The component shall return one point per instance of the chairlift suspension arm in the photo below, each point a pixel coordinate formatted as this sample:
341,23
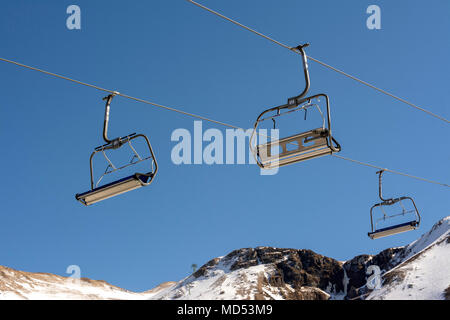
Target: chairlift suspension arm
380,188
115,143
106,121
294,100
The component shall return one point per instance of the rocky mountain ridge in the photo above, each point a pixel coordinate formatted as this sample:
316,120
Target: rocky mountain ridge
417,271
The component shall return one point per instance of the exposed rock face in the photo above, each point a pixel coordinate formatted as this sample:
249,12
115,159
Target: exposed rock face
447,292
303,270
203,269
356,269
307,268
303,274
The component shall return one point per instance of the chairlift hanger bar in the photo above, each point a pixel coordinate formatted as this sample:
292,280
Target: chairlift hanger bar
296,50
196,116
380,186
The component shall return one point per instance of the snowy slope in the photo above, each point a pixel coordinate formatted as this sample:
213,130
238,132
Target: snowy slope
219,281
16,285
424,272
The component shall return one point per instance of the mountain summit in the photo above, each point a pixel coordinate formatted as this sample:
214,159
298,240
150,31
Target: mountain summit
419,270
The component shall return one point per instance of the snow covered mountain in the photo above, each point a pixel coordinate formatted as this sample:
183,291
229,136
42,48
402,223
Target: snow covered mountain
420,270
26,285
15,285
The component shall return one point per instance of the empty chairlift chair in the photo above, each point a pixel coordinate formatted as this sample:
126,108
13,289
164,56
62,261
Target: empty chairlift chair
302,146
411,223
138,179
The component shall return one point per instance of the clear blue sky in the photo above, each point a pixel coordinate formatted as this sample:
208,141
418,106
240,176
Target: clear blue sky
176,54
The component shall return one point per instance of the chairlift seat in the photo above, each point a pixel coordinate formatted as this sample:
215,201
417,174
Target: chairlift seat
299,147
303,146
114,188
395,229
123,185
384,232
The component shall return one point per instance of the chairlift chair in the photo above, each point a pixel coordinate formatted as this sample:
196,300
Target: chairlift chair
413,224
98,193
299,147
